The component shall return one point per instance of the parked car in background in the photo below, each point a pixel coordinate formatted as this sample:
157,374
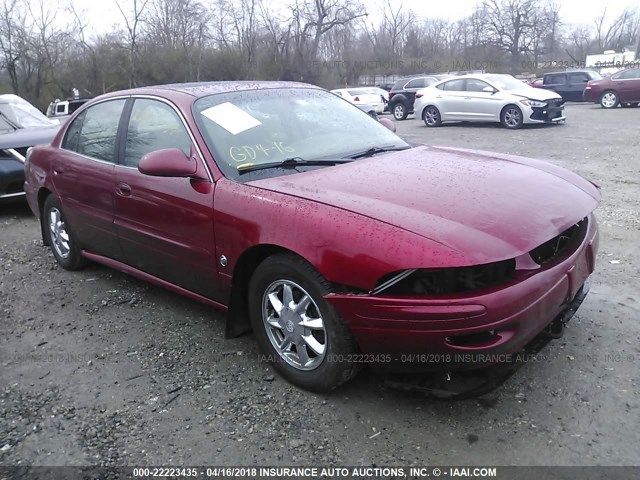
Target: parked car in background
317,227
488,98
622,88
569,85
373,96
386,86
403,93
21,126
64,108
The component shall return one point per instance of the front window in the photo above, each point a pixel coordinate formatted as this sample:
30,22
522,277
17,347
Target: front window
254,127
506,82
153,125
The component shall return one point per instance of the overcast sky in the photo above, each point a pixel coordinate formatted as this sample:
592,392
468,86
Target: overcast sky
103,14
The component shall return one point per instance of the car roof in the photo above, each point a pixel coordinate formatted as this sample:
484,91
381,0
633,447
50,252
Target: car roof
578,70
203,89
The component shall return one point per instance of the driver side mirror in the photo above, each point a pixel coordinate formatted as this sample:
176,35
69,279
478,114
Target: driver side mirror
168,162
489,89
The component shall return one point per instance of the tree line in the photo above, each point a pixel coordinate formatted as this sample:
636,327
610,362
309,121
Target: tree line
46,51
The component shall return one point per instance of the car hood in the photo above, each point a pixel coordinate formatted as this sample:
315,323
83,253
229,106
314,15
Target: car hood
485,205
28,137
539,94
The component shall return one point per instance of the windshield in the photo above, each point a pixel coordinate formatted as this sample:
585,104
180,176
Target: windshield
506,82
21,113
256,127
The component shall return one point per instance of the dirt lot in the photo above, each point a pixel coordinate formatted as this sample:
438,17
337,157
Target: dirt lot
99,368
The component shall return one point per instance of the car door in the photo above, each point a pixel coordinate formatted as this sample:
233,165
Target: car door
165,224
556,82
577,81
451,101
83,176
410,90
627,84
478,104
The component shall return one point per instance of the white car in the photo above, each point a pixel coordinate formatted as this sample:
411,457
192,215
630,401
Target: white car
373,96
487,97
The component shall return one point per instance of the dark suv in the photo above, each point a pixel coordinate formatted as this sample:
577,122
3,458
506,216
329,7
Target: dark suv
569,85
403,93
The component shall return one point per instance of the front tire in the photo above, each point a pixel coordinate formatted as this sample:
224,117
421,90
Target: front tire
431,116
303,336
609,99
400,111
511,117
63,243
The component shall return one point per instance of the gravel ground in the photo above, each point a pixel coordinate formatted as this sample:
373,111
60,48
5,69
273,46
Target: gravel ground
99,368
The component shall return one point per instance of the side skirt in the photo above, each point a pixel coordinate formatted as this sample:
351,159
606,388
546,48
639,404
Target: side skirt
134,272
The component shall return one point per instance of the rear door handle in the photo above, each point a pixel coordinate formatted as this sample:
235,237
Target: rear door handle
123,190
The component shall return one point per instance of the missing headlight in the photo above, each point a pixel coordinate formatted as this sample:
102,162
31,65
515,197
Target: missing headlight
447,280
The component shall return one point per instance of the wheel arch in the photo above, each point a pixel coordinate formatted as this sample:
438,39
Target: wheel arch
43,193
237,321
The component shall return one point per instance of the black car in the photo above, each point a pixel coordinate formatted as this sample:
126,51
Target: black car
21,126
569,85
403,93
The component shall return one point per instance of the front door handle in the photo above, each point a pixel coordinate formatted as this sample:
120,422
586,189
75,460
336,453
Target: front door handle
123,190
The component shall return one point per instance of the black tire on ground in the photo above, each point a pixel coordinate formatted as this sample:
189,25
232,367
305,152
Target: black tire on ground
267,290
431,116
60,237
511,117
400,111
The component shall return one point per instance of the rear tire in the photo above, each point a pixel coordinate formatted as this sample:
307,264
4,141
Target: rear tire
431,116
64,245
609,99
400,111
302,335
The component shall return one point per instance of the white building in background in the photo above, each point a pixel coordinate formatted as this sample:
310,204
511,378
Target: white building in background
610,62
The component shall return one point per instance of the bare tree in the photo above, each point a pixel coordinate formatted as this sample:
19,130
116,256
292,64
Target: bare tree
510,25
12,33
132,29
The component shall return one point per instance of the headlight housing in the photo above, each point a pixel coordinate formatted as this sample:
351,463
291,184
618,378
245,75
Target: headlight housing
446,281
533,103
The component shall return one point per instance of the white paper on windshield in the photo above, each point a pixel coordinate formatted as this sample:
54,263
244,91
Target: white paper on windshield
233,119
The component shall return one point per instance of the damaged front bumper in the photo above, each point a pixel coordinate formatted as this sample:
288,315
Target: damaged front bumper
467,332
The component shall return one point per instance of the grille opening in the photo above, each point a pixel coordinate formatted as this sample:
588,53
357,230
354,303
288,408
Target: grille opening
451,280
567,241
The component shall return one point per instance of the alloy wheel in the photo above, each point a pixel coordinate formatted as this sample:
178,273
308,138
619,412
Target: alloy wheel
59,235
294,325
512,117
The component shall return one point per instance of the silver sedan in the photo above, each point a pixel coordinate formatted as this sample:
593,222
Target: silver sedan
487,98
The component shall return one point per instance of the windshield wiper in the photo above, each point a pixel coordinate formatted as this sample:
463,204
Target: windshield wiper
292,162
375,150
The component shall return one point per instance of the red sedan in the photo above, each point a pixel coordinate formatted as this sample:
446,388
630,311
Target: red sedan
622,88
317,227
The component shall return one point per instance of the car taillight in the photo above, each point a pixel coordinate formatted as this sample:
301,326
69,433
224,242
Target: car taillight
589,83
418,95
357,99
